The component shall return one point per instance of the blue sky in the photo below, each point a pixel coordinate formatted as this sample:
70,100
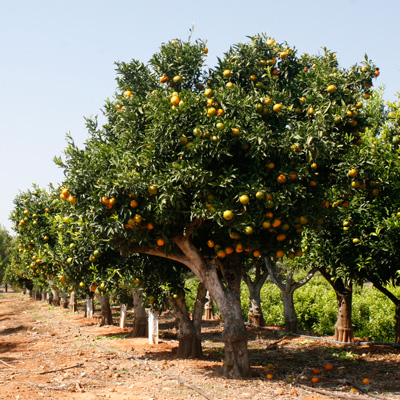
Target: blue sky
57,60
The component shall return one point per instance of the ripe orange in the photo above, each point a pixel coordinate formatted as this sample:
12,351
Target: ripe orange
134,203
331,89
280,253
228,215
152,189
160,242
211,111
256,253
366,381
352,173
329,367
127,93
281,237
164,79
281,178
276,223
175,99
210,243
316,371
227,73
221,254
229,250
208,92
277,107
314,379
244,199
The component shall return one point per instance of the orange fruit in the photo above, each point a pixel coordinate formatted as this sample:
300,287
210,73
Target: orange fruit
281,178
281,237
228,215
314,379
277,107
276,223
127,93
221,254
329,367
210,243
331,89
280,253
160,242
134,203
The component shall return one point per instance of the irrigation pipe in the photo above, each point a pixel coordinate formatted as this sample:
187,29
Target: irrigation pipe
323,338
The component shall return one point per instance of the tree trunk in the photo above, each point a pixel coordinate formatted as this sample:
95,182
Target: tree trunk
49,298
224,290
55,300
89,309
189,342
288,288
397,324
201,299
344,326
106,314
73,305
255,315
122,318
209,307
140,325
289,312
64,299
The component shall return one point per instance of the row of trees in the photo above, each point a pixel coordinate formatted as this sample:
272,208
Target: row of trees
270,157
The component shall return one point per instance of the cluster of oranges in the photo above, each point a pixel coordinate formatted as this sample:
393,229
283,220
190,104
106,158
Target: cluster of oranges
66,195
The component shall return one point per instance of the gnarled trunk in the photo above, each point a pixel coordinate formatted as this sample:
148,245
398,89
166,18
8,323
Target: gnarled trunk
255,315
344,325
140,326
344,295
201,299
288,288
225,292
189,342
106,314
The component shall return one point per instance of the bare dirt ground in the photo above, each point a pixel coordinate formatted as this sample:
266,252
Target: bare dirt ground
49,353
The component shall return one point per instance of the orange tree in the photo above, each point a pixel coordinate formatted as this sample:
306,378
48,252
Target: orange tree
360,241
34,239
208,168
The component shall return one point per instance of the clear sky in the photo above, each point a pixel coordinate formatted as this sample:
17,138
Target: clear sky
57,60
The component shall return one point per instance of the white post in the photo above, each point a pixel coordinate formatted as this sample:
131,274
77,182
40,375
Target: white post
122,318
89,307
153,327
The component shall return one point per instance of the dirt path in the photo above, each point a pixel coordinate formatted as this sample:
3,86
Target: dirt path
49,353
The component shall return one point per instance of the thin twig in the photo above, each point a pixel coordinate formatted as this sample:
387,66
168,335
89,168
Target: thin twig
11,366
60,369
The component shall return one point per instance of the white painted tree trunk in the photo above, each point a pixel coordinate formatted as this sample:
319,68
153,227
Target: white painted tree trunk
122,318
89,307
153,327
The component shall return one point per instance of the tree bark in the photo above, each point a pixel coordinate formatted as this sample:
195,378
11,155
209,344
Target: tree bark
140,325
106,314
64,299
209,307
201,299
288,288
255,315
344,326
344,296
189,342
224,290
55,301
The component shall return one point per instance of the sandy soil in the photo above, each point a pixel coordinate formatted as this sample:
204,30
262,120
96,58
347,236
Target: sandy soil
50,353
